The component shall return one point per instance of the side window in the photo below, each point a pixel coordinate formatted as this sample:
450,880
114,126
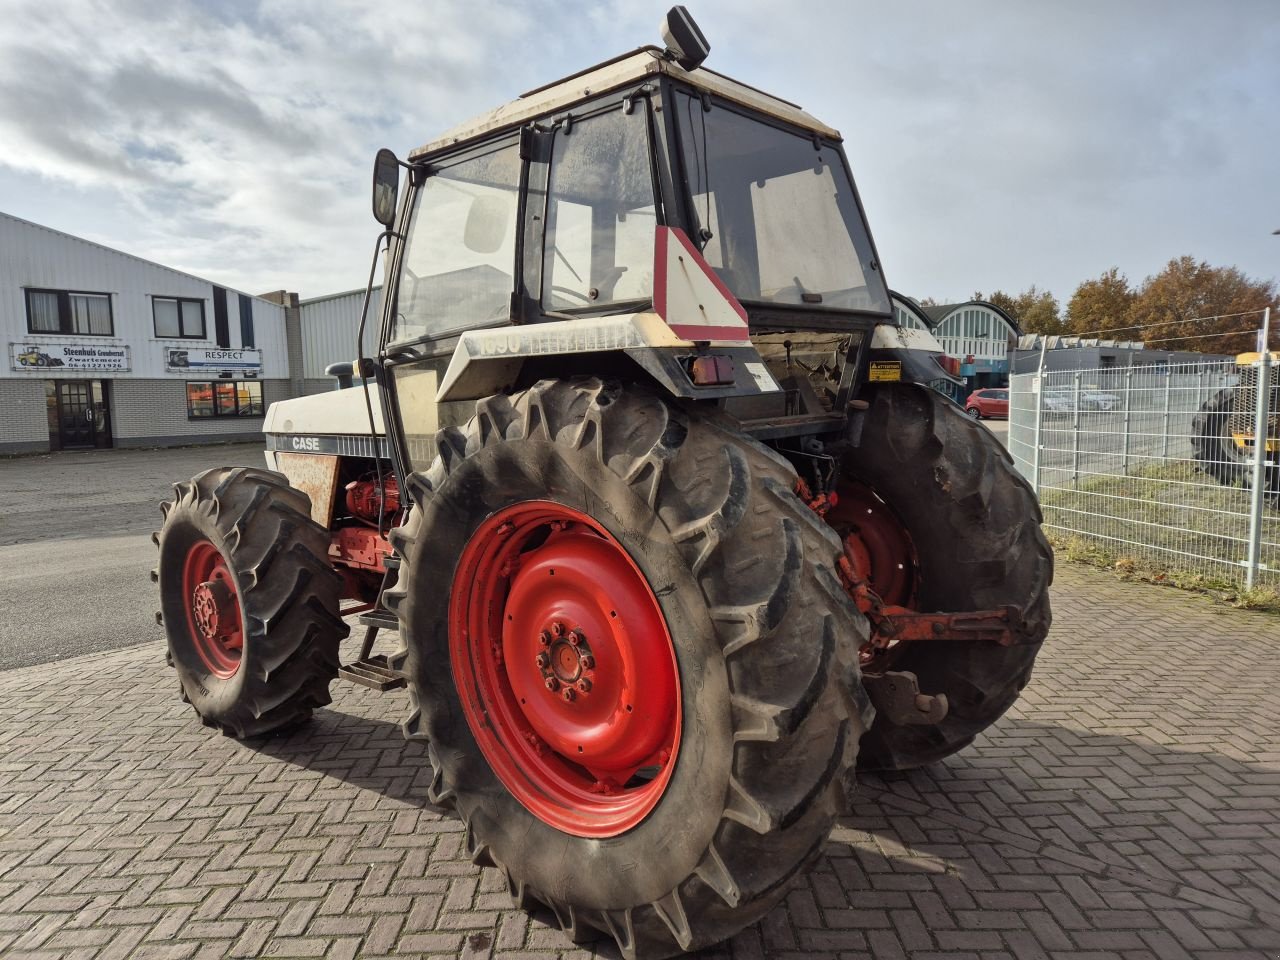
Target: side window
457,268
600,218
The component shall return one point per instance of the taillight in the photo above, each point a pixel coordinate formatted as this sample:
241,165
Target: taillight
711,371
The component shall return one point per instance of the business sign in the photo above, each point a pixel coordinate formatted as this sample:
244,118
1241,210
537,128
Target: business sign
45,356
206,360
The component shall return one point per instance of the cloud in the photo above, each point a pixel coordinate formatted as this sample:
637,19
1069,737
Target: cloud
995,144
239,137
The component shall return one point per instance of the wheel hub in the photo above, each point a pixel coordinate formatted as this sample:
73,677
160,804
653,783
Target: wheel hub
567,658
213,606
213,610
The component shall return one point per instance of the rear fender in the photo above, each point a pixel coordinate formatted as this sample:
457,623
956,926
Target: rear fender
907,355
486,362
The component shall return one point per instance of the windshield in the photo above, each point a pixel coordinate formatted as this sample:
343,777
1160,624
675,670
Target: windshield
777,217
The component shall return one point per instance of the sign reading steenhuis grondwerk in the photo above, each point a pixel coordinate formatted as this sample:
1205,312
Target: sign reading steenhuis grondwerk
42,356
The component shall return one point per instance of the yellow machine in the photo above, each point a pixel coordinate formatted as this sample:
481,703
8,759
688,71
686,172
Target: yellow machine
1223,432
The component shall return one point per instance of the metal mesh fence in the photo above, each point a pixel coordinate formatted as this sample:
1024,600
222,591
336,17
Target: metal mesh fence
1155,465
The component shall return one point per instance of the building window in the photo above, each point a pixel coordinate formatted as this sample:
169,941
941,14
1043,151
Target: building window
246,321
224,398
69,311
178,317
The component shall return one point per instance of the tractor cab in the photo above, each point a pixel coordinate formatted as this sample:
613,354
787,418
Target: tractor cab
647,218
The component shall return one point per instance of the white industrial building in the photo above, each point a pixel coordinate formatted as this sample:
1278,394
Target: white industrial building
107,349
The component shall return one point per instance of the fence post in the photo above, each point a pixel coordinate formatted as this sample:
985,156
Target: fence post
1258,497
1038,383
1164,431
1075,428
1128,406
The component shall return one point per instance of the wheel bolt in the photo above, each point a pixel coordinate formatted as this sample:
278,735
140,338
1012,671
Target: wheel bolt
588,661
558,628
544,638
553,684
576,638
569,694
543,660
584,685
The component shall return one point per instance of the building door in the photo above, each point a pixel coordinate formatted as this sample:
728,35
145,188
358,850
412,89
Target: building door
83,414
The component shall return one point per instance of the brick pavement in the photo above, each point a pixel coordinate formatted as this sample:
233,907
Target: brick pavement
1127,807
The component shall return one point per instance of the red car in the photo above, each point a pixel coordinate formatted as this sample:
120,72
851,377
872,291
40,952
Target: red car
988,403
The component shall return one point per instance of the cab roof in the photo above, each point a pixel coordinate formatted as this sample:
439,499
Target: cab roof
624,71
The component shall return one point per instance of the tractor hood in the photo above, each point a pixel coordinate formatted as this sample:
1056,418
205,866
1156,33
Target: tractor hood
340,412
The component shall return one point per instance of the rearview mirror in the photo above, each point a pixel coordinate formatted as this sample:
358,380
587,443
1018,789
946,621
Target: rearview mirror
386,184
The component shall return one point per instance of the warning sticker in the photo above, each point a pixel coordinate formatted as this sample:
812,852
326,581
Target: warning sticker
885,370
763,379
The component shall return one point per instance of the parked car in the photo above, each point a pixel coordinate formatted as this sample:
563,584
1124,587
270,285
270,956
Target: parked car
1058,401
1099,400
988,403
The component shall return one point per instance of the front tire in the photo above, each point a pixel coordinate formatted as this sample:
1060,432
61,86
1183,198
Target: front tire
974,413
248,600
974,524
684,521
1215,450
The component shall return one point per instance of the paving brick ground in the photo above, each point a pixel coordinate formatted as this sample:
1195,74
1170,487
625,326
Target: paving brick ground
1128,807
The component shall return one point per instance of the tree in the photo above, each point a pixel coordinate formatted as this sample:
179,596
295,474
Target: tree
1034,310
1005,302
1102,307
1190,305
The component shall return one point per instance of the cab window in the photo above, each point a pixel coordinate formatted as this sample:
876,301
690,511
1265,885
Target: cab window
458,266
601,215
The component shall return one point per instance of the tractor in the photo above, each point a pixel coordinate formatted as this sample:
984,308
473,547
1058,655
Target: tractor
653,493
1223,432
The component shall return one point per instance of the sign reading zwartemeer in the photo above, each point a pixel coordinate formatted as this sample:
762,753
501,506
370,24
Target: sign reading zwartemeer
205,359
47,355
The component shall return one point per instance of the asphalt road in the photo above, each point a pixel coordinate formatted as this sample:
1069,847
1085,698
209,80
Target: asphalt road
76,550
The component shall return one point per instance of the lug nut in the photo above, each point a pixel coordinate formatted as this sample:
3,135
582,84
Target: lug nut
569,694
558,628
553,684
544,638
588,661
584,685
576,637
542,660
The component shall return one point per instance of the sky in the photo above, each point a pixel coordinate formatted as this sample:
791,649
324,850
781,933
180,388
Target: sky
995,144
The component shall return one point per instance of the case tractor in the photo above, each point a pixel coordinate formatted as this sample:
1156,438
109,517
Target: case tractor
654,494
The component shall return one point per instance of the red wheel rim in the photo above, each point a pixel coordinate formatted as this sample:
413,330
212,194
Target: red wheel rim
876,543
565,668
213,609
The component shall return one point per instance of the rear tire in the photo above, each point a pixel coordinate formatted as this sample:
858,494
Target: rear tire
1215,451
248,600
975,525
770,707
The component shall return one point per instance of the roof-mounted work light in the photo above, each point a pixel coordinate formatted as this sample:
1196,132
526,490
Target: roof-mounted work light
685,43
